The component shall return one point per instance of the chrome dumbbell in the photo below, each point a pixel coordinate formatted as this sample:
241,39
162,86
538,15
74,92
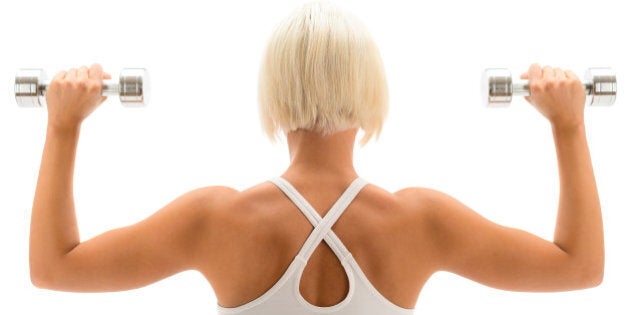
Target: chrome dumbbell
600,85
131,87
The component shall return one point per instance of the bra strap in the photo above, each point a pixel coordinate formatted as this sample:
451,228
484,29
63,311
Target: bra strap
322,227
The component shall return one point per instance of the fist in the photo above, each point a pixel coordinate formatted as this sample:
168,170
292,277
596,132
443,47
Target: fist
558,94
73,95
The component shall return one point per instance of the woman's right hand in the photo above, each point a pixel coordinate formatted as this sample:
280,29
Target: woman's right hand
558,94
72,95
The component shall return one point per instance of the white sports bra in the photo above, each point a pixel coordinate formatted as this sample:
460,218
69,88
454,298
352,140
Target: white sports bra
285,298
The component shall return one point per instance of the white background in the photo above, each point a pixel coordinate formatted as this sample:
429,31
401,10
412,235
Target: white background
202,128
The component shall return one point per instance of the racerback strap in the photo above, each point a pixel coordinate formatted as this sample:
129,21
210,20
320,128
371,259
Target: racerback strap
322,226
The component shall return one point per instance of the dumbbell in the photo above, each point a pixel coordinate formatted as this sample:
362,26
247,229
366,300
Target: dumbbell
600,85
131,87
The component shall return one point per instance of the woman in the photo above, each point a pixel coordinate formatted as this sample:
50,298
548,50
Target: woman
293,245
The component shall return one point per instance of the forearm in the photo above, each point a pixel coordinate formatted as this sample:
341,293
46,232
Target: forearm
54,229
579,228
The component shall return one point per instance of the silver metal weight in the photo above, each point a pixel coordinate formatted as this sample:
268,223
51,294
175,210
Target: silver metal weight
498,88
131,87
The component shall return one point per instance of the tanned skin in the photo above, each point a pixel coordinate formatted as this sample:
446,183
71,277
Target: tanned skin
243,241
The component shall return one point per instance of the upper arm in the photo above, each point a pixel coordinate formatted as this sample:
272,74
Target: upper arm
163,244
501,257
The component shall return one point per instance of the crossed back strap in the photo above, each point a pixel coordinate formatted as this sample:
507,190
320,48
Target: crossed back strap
322,226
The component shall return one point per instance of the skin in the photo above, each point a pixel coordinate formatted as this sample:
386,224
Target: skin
242,241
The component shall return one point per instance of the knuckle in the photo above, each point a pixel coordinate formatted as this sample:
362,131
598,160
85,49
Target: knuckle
81,85
66,84
550,84
536,87
93,86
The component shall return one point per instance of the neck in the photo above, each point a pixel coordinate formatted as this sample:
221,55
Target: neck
319,156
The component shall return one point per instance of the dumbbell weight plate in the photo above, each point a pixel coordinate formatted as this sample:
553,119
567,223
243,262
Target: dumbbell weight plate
133,87
496,88
28,89
602,83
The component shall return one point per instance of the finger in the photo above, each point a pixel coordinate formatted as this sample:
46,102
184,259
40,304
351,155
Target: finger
534,72
559,73
72,74
106,76
547,73
96,72
82,73
572,76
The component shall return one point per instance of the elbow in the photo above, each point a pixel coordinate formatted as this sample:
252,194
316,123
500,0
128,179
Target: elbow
590,276
584,271
38,283
590,282
38,270
51,272
594,279
38,279
595,271
40,276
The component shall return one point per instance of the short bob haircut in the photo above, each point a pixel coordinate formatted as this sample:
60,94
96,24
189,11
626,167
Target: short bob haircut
322,72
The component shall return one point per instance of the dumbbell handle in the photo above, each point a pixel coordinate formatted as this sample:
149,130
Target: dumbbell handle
498,88
131,87
108,88
521,88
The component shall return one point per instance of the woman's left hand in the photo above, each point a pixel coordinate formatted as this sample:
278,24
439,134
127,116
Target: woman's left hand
73,95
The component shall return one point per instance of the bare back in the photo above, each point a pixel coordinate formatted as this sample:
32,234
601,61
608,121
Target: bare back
260,231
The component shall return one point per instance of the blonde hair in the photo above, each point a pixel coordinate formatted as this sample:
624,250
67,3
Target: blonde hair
322,72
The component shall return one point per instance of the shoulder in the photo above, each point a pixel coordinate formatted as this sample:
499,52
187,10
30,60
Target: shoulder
221,203
424,200
413,208
447,219
197,206
208,197
211,213
409,223
211,196
433,208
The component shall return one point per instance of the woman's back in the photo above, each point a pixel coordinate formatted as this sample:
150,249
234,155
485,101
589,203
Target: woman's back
258,232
